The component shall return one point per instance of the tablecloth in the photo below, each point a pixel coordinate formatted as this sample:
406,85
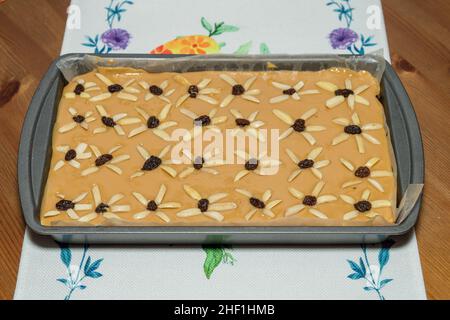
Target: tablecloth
390,270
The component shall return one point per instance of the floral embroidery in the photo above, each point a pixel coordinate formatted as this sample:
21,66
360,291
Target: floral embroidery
113,38
372,273
155,206
310,201
363,206
365,171
346,38
206,206
69,206
76,274
299,125
259,204
307,163
354,128
108,209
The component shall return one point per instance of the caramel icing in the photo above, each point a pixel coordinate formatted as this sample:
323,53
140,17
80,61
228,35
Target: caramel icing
130,114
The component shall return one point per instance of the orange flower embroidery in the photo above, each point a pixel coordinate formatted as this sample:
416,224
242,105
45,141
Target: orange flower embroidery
161,50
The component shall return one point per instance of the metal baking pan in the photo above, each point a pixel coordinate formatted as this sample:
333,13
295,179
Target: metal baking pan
35,153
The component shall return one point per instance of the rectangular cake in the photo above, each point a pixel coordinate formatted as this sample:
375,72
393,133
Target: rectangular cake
220,148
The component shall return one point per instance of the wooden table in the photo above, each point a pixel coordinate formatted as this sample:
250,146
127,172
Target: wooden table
30,38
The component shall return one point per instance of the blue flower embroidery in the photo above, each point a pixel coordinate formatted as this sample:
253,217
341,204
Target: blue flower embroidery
77,273
346,38
362,269
112,38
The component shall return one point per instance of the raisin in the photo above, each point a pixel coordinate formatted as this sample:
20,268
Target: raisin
309,201
306,164
352,129
115,88
70,155
155,90
153,122
251,164
109,122
198,163
257,203
363,206
193,91
203,205
289,91
343,92
78,89
242,122
203,120
63,205
78,118
102,208
151,163
237,90
104,158
152,206
299,125
362,172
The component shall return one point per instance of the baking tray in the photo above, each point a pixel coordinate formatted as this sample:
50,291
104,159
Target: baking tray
35,153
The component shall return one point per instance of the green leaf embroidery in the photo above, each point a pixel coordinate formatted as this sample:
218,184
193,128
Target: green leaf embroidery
222,44
225,28
213,259
206,24
263,48
244,49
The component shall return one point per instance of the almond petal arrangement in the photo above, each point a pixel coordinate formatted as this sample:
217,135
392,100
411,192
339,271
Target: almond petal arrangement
208,121
261,165
153,162
365,172
154,123
341,95
289,91
363,206
196,91
107,160
70,207
77,120
155,206
71,155
157,91
200,163
125,91
115,121
307,163
261,204
82,89
239,90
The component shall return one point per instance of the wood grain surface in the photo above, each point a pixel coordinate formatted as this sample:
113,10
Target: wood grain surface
30,38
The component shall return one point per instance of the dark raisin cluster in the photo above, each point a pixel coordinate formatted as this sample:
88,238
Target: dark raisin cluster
363,206
63,205
198,163
251,164
151,163
70,155
152,206
78,118
310,201
343,92
362,172
299,125
115,88
103,159
79,89
193,91
306,164
155,90
257,203
108,121
102,208
153,122
352,129
203,205
203,120
237,90
289,91
242,122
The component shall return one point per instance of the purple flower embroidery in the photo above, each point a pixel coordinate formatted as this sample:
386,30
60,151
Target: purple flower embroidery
342,38
116,39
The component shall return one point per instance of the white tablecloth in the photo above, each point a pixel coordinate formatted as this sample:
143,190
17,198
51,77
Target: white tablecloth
387,271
